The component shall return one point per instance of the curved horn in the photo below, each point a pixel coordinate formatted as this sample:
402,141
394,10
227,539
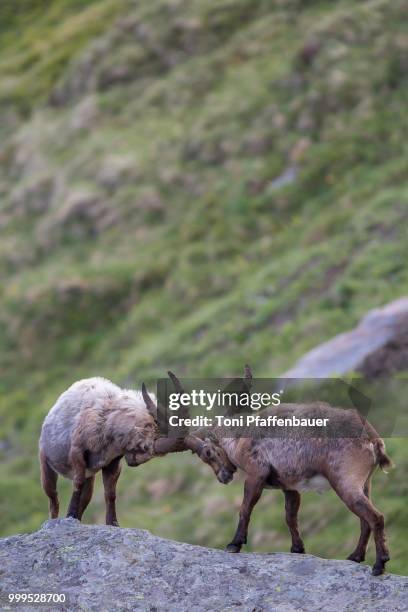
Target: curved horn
176,382
194,444
184,411
245,386
163,445
247,376
150,405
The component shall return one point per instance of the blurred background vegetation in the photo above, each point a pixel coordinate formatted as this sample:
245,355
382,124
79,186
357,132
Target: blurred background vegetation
191,184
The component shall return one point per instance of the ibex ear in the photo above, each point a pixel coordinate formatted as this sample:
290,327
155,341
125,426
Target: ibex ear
150,405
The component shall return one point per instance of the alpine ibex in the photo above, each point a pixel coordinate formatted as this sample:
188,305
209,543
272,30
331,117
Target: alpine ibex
95,423
294,463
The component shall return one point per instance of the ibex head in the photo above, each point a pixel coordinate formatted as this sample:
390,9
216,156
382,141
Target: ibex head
211,452
206,446
141,440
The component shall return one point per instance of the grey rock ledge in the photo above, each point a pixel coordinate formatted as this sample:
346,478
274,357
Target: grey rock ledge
102,568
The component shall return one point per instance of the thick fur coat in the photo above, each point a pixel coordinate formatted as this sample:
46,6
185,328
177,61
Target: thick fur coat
101,419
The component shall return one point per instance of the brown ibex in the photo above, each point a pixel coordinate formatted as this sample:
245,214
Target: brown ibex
95,423
294,463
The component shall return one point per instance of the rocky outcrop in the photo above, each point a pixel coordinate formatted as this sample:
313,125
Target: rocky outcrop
378,346
101,568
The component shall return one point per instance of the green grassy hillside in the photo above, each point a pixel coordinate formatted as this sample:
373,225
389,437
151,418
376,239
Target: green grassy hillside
191,185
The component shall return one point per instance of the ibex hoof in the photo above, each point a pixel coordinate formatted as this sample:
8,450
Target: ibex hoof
233,548
379,566
356,558
298,549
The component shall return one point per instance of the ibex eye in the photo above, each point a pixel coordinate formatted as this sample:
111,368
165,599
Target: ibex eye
208,454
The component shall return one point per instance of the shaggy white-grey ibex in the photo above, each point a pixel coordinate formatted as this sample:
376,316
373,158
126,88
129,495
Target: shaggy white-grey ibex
294,463
95,423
